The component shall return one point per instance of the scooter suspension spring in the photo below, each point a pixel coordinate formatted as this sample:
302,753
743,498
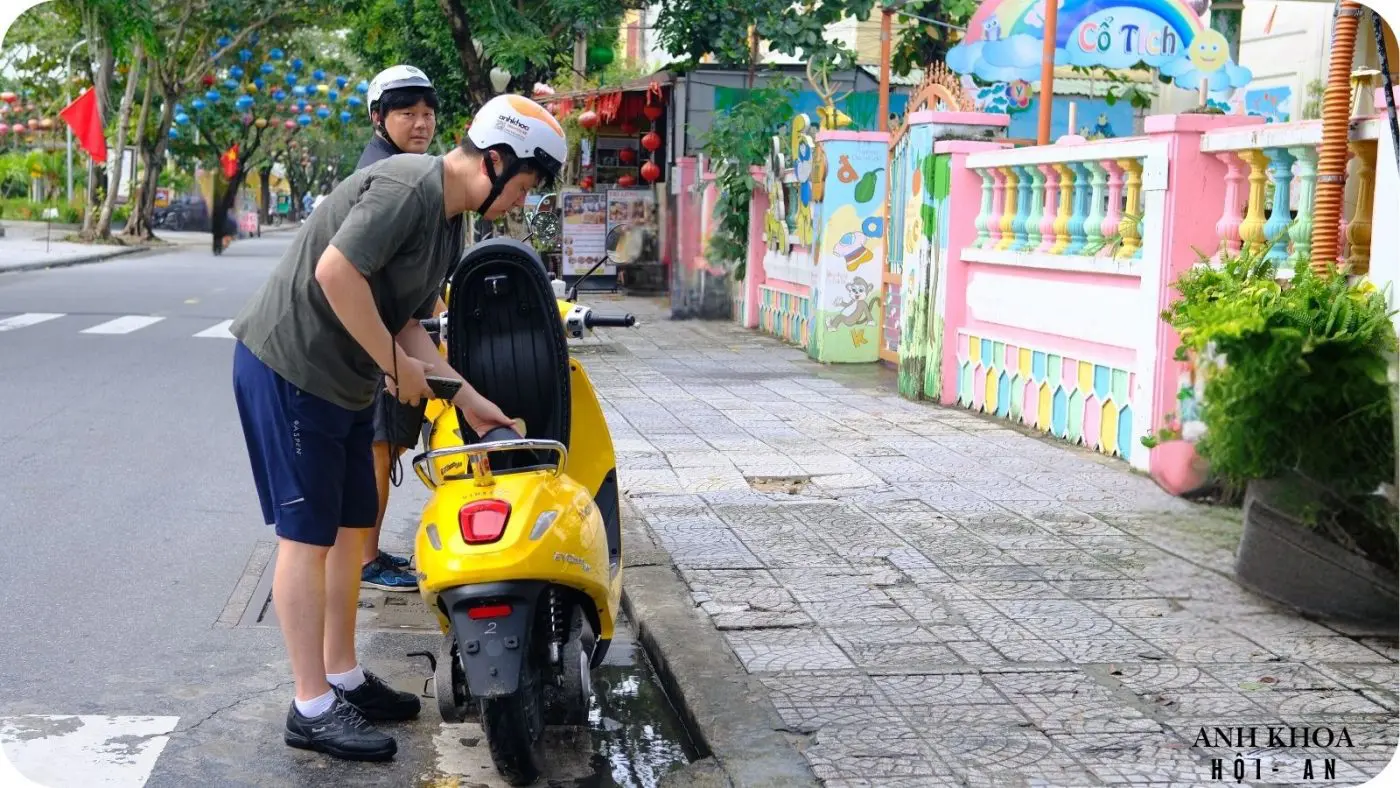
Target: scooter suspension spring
556,626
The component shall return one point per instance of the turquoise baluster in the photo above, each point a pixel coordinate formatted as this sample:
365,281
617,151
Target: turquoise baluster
1093,223
1080,208
1281,173
1037,209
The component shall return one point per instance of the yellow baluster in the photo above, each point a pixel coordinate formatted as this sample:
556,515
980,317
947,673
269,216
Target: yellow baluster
1252,228
1359,227
1063,209
1008,213
1132,209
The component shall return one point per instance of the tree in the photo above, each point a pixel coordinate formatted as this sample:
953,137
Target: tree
192,37
693,29
532,39
920,42
257,101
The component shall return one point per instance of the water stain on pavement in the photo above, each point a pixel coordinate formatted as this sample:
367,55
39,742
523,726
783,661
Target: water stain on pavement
633,736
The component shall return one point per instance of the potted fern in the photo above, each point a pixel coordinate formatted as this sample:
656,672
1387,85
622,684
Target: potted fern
1299,417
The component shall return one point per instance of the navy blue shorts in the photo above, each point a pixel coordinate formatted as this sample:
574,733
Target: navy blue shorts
311,458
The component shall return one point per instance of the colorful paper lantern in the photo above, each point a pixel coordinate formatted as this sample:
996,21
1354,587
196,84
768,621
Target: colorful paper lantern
260,123
291,124
296,64
341,82
198,104
323,113
650,172
345,116
651,141
231,84
245,55
653,112
588,120
627,181
266,68
363,86
243,102
9,97
236,72
212,96
173,134
334,95
304,120
354,101
182,119
275,53
627,155
279,95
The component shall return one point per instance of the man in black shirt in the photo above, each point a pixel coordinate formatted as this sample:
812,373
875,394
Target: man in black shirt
402,108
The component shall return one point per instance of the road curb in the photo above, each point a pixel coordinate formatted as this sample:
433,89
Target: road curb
726,710
96,257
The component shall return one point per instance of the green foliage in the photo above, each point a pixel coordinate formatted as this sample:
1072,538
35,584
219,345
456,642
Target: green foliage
692,29
25,210
921,44
737,140
1296,381
532,40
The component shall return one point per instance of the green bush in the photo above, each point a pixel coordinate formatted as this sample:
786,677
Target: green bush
26,211
1296,386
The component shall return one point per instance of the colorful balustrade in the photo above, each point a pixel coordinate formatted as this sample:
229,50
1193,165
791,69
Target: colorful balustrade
1085,202
1271,185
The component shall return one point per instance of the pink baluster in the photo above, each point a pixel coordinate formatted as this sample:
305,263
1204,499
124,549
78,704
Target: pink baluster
1052,197
1228,228
1109,228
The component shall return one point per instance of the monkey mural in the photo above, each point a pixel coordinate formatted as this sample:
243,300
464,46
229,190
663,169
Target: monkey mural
857,312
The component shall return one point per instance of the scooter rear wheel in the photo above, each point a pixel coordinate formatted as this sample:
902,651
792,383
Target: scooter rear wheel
514,728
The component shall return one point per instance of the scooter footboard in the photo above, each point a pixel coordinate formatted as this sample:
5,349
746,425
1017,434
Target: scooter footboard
493,623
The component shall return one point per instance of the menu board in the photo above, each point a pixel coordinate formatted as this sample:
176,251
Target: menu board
585,234
634,211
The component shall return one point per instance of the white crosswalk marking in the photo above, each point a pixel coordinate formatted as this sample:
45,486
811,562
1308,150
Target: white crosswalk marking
123,325
27,319
87,751
217,331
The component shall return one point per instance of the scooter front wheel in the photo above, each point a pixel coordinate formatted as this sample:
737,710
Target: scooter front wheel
514,728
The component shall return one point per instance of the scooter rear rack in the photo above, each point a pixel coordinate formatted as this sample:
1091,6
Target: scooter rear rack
478,464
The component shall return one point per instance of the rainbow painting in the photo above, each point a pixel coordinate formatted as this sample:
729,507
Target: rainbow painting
1003,43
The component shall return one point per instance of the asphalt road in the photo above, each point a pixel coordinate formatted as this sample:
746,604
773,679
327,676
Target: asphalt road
132,539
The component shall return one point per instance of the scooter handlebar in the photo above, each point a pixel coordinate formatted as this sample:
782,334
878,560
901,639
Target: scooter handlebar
595,320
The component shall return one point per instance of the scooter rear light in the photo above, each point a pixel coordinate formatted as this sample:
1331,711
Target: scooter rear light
488,611
483,522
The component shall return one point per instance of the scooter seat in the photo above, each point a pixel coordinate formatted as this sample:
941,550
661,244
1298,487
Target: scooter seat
506,338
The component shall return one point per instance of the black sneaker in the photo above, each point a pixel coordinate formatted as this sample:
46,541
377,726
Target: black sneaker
380,702
342,732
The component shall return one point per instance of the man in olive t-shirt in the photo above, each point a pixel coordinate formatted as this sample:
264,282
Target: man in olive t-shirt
338,314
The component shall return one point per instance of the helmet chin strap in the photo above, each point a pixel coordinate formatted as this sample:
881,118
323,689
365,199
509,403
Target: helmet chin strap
498,182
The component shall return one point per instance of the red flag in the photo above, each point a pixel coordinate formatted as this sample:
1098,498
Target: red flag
84,116
229,161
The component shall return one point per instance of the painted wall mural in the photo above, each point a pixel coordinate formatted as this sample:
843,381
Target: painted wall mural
1274,104
851,249
925,176
1003,44
1095,118
1077,400
862,107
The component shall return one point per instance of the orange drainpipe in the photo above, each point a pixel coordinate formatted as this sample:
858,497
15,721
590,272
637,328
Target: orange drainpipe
1332,158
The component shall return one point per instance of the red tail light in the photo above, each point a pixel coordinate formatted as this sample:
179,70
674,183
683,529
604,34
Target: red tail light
483,522
488,611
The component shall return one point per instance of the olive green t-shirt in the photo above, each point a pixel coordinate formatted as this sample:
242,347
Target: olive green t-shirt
389,221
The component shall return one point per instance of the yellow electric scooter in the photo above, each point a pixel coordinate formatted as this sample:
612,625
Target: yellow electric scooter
519,551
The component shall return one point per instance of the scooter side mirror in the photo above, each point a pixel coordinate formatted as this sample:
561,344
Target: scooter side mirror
624,244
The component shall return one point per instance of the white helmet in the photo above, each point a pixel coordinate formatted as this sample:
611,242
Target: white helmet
394,78
528,128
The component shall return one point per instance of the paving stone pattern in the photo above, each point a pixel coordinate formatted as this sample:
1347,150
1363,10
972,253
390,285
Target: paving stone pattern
949,600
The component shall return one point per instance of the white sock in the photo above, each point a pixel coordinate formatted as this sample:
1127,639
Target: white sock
316,706
348,680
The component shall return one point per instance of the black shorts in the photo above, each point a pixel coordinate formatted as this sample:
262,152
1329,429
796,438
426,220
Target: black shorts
395,422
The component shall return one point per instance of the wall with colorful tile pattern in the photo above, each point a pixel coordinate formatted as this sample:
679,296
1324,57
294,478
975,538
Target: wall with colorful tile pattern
1077,400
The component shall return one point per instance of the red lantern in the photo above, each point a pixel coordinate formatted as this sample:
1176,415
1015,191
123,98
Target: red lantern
208,80
9,97
627,181
650,172
586,182
651,141
627,155
652,112
588,120
628,127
